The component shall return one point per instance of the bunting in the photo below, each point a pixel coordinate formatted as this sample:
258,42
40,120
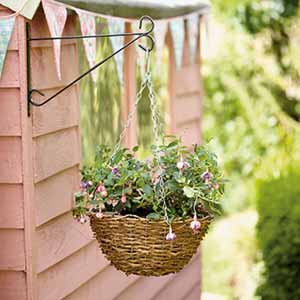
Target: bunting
6,28
116,26
56,16
160,31
88,27
177,32
193,28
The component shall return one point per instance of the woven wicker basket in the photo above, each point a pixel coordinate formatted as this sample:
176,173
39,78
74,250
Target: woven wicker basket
138,246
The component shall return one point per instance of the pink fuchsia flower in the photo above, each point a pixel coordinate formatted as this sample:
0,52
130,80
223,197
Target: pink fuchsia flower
180,165
103,194
82,220
206,176
171,236
115,171
195,225
85,184
216,186
123,199
99,215
100,188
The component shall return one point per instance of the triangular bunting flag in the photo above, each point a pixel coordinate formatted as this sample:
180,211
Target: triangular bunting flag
177,32
56,16
160,31
193,28
6,28
117,26
88,27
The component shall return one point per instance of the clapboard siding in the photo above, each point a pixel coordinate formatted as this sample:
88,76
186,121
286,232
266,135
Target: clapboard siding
65,277
55,152
11,203
189,78
55,195
11,70
12,285
45,77
189,132
10,160
106,285
194,293
64,112
10,120
12,254
181,284
60,238
187,108
150,287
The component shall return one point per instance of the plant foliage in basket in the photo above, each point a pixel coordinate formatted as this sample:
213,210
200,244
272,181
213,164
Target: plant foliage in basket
123,185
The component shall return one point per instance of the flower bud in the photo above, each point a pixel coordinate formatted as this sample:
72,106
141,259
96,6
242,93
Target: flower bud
99,215
123,199
195,224
103,193
206,176
82,220
180,165
171,236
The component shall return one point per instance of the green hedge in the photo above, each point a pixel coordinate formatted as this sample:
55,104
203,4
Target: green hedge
278,231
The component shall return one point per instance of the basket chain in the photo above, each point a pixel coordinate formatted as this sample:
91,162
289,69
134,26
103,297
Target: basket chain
157,130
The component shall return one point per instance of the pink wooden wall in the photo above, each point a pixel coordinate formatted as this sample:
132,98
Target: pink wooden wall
44,254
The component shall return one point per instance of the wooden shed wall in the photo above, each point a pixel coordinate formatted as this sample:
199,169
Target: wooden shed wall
44,254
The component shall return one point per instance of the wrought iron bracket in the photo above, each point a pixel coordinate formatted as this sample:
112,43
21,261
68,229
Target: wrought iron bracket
136,35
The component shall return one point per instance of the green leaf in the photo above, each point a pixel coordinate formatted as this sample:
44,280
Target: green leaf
153,216
118,157
135,149
188,191
148,190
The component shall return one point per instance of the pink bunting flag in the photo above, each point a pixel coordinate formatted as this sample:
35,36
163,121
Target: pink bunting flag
160,31
88,27
56,16
193,28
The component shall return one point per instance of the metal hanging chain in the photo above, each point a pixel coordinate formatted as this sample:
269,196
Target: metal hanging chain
160,194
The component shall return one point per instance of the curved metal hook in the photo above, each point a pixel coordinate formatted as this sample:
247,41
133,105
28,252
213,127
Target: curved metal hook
152,43
148,19
147,33
30,98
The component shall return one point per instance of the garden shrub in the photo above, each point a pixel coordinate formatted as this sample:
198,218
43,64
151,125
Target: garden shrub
278,231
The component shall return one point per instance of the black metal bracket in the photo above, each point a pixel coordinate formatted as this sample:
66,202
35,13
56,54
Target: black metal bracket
137,36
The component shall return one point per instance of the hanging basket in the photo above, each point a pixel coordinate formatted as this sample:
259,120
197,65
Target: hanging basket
138,246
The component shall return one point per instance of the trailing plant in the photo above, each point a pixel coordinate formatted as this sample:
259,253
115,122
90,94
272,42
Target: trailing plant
175,183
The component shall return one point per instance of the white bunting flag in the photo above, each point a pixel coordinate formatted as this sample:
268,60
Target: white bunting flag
56,16
160,31
88,27
193,28
6,28
177,32
116,26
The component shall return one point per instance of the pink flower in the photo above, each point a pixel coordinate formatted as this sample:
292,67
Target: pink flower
100,188
103,194
195,225
123,199
99,215
216,186
171,236
82,220
180,165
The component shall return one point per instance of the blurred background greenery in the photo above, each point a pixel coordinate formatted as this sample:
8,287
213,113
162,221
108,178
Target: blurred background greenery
251,119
